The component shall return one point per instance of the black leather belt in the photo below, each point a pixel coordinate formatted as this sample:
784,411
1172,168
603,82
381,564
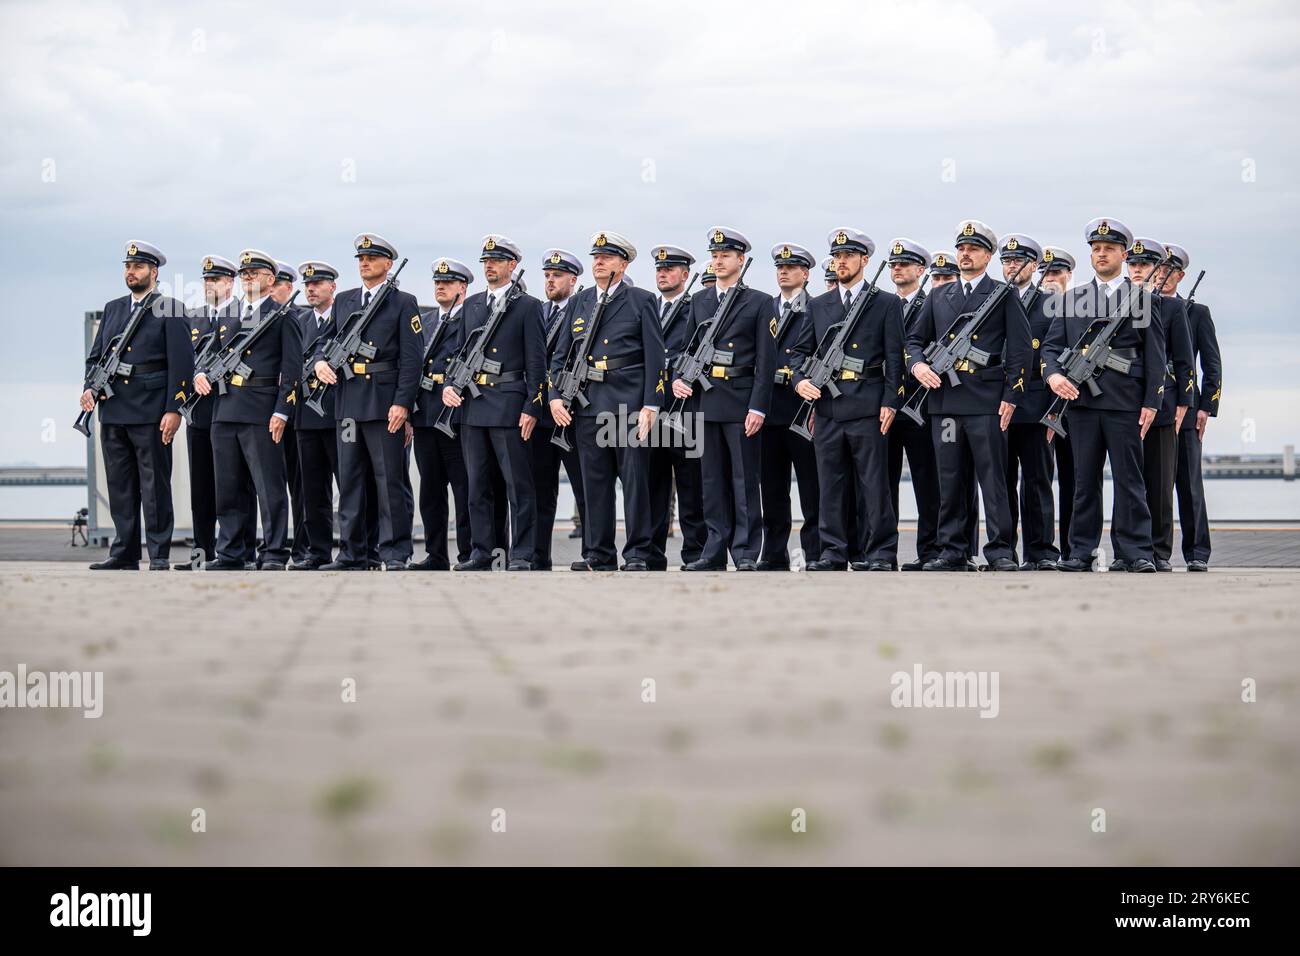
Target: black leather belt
369,368
257,381
486,378
144,368
731,373
623,361
870,375
1126,353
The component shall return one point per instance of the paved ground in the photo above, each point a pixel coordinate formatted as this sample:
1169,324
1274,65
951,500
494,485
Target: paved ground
524,694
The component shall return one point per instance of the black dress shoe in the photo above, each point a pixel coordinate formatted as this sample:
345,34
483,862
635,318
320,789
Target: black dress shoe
971,565
307,564
825,564
877,565
948,564
394,565
250,566
1142,566
656,566
767,564
539,566
271,566
579,565
1198,566
1003,564
1163,565
1045,564
374,564
182,566
703,565
575,533
1119,564
159,564
485,564
519,564
916,565
635,565
1073,564
227,564
341,565
746,564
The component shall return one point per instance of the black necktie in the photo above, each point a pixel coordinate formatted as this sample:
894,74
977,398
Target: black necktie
848,299
968,288
550,315
492,300
365,300
785,309
663,311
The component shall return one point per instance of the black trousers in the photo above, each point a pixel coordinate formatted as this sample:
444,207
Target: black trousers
854,454
733,497
1029,490
971,450
373,446
442,464
668,463
1193,518
1063,451
318,462
781,451
1159,466
546,459
907,436
240,450
203,490
603,461
293,475
483,447
138,468
1096,434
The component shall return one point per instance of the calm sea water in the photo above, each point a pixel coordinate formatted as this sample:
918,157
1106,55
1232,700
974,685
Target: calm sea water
1228,499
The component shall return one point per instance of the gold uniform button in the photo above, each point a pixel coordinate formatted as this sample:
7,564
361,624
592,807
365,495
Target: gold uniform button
606,342
494,349
855,344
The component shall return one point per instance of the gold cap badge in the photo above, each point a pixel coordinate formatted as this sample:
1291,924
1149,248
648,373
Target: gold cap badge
1047,256
207,264
941,261
662,254
785,252
309,272
1138,248
365,242
490,244
555,258
1013,245
840,239
1104,228
968,229
246,258
718,236
442,267
601,239
898,248
131,250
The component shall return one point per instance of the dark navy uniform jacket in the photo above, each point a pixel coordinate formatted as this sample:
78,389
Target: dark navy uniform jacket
1178,361
443,335
519,346
312,339
276,361
1033,404
629,330
201,323
163,336
395,333
785,335
747,334
1205,343
1005,333
1078,309
910,384
877,340
541,401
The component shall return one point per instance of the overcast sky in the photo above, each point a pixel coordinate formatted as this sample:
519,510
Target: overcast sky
207,128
